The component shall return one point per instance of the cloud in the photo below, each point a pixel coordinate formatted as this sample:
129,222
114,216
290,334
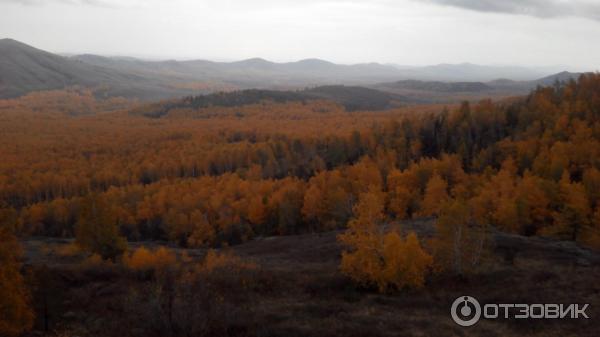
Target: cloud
589,9
98,3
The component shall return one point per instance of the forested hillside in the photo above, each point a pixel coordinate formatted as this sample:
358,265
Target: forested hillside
528,166
351,98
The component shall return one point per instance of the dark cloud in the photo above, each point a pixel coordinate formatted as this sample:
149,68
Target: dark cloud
537,8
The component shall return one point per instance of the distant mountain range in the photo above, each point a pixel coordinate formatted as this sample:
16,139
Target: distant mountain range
24,69
417,91
473,72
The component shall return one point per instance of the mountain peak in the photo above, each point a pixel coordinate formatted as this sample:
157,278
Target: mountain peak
563,76
8,42
314,61
11,46
254,61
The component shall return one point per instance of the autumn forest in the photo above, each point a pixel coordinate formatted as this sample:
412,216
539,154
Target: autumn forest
171,196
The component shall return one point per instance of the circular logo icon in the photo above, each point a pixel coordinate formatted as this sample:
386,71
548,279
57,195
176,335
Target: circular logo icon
465,311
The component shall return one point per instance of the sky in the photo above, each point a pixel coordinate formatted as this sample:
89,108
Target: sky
407,32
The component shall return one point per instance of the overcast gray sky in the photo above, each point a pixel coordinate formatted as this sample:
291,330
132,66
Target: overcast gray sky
415,32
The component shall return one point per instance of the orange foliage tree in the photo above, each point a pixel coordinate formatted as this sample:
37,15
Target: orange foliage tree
16,315
385,260
97,230
435,195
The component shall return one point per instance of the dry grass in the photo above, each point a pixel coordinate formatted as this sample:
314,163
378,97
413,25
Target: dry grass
297,290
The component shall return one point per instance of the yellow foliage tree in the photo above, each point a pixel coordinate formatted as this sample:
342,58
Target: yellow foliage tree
203,232
380,259
574,214
405,262
399,202
140,259
404,192
364,263
96,230
257,211
435,195
311,208
534,203
143,260
506,215
16,315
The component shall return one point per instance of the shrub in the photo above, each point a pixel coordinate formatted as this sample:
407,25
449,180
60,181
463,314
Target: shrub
68,250
146,262
226,260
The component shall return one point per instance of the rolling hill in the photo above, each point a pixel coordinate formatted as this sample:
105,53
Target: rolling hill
350,97
471,72
439,86
255,72
446,92
24,69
